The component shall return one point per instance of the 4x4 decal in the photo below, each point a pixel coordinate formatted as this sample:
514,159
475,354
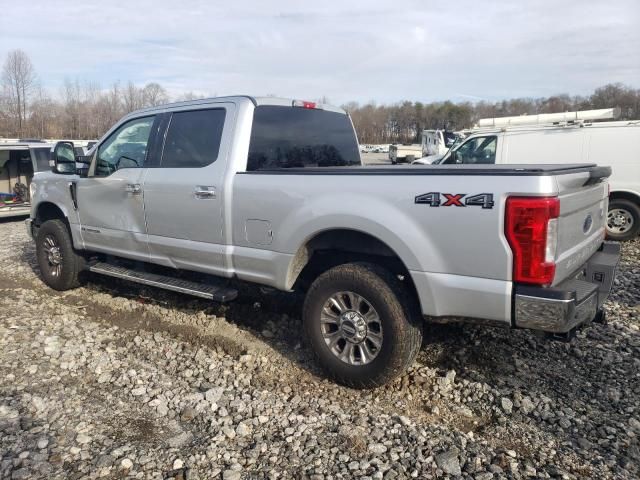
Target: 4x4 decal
437,199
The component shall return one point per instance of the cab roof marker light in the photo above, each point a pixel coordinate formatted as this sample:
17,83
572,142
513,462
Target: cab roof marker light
305,104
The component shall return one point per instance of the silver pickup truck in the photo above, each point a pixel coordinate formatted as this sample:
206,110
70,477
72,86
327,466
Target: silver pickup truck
194,196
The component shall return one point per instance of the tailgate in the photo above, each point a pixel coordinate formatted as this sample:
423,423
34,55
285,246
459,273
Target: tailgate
581,226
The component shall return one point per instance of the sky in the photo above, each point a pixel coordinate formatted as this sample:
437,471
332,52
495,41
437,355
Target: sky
343,50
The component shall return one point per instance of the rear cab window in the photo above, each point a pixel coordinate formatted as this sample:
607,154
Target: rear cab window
293,137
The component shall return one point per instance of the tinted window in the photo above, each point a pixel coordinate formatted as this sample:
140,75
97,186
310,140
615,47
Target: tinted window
478,150
125,148
193,138
286,137
42,156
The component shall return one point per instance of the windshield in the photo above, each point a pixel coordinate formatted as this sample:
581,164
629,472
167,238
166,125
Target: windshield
480,150
41,156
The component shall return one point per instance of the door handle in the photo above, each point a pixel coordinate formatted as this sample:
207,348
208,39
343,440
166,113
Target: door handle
205,192
133,188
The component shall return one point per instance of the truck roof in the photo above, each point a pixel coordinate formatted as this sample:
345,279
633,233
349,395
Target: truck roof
257,101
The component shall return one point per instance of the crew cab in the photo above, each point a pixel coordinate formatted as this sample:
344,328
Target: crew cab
196,196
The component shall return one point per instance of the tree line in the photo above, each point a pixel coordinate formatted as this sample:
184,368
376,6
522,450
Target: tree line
85,110
404,122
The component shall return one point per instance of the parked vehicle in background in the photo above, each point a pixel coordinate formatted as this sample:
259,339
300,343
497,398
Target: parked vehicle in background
404,152
272,191
19,161
567,137
438,142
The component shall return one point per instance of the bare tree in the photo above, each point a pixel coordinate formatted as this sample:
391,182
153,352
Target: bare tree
131,98
153,94
71,93
18,78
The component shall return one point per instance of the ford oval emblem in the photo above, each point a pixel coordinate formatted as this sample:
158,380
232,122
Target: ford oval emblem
588,222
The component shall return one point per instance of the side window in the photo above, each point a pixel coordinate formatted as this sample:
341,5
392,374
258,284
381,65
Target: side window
478,150
193,138
125,148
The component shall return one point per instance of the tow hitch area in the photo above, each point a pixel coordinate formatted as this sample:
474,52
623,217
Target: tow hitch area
577,301
566,337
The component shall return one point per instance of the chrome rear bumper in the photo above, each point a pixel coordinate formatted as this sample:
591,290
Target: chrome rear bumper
573,302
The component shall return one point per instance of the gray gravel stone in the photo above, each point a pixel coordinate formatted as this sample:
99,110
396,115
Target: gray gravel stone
231,475
448,462
507,405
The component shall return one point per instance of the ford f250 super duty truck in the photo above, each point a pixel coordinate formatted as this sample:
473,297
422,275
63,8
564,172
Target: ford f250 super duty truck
192,195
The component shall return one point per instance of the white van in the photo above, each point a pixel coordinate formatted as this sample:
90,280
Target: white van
19,161
616,144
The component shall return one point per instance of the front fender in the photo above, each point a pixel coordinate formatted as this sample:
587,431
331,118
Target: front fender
50,188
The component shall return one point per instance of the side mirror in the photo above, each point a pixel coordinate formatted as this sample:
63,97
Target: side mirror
63,158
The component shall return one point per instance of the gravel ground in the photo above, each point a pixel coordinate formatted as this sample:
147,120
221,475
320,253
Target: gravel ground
114,380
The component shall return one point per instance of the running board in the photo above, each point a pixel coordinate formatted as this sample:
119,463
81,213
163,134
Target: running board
202,290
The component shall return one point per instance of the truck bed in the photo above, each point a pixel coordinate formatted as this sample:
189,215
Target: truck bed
490,170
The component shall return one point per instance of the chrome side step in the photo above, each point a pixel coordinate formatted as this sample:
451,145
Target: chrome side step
202,290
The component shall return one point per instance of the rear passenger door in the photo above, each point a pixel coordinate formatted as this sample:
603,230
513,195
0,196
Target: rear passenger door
185,194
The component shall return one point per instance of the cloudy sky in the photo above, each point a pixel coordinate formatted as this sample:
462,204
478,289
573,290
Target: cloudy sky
345,50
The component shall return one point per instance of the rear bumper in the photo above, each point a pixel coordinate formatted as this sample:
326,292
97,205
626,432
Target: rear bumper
573,302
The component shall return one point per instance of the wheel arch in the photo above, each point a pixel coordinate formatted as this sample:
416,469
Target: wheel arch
625,195
50,211
329,248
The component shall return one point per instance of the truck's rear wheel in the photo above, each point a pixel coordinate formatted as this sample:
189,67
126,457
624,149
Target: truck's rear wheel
362,325
60,265
623,220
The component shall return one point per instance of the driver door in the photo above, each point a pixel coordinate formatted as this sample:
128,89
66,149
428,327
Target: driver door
110,201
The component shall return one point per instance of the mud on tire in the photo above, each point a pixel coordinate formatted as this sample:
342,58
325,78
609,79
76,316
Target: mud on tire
384,310
60,265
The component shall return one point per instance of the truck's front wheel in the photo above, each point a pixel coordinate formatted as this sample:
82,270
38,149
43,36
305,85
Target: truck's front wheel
60,265
362,325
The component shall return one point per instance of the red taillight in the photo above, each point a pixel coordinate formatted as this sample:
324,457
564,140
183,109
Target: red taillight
532,234
305,104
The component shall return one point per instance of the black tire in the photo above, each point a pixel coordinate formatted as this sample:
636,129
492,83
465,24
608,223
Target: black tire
631,210
60,265
399,317
409,158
